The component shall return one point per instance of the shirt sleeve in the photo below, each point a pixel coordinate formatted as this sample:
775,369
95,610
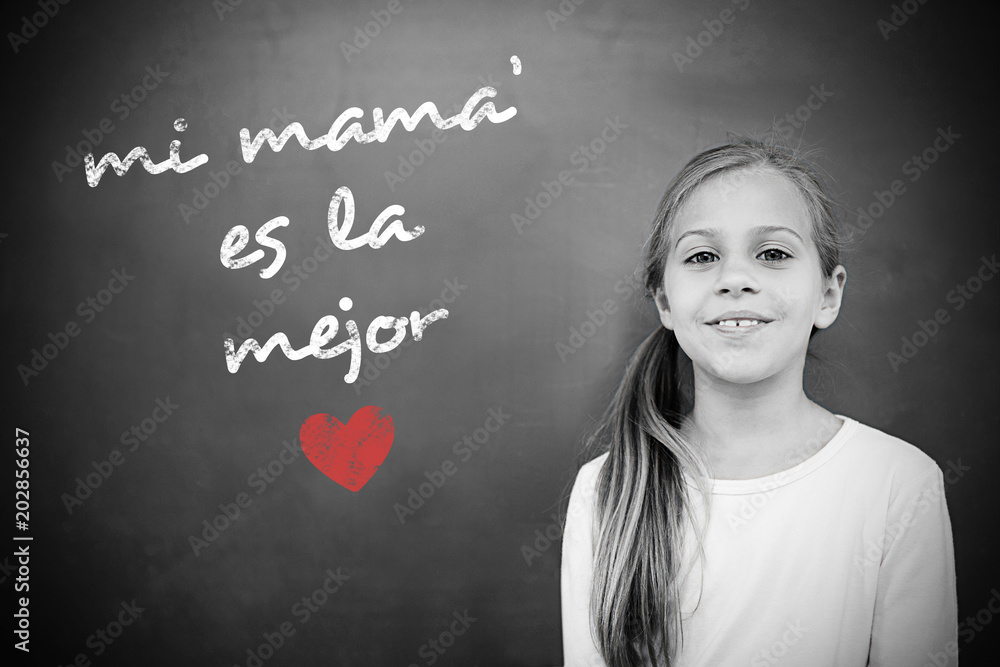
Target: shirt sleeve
916,608
577,569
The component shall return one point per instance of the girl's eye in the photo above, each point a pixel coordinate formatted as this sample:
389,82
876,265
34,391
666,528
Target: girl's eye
773,255
703,257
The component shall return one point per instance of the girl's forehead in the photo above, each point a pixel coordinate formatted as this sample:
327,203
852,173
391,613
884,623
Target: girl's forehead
740,200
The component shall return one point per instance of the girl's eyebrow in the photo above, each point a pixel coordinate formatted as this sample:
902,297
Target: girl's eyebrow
711,232
760,230
771,229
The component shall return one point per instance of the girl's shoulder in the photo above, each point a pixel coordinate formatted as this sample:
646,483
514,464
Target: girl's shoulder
593,466
886,455
588,471
585,485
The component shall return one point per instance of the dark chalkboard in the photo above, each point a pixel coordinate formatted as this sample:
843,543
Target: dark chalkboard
174,517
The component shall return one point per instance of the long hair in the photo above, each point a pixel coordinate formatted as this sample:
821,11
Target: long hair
643,502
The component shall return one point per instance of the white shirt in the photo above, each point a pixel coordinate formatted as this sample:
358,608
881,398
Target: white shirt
845,559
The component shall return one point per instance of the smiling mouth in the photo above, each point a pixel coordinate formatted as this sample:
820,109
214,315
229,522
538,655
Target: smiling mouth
738,328
741,323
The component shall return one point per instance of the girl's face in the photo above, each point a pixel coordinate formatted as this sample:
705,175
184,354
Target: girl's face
743,284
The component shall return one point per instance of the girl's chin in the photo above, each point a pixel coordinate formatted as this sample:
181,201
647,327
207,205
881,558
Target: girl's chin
737,374
742,378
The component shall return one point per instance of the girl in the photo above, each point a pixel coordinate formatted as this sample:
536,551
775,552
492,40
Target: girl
747,525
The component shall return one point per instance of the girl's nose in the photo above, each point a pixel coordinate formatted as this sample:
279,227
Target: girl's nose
735,276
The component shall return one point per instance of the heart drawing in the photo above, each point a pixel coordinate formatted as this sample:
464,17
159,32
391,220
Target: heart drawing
351,454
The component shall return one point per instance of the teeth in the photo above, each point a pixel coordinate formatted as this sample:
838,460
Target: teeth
739,323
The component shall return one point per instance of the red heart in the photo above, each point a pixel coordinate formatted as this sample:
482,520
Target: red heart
349,455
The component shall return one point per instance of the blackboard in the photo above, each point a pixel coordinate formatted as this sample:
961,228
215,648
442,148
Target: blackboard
116,305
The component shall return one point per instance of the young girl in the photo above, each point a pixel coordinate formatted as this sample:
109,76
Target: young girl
747,525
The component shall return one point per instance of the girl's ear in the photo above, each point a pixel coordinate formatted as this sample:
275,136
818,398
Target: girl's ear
832,296
660,298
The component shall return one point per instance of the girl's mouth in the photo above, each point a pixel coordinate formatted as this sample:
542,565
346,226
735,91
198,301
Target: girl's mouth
739,323
738,327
